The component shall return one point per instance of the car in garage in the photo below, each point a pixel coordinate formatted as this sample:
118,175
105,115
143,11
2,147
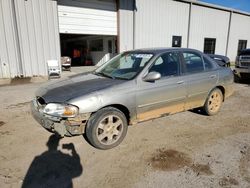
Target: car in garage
132,87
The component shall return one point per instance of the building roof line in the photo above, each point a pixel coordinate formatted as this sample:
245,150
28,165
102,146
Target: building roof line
209,5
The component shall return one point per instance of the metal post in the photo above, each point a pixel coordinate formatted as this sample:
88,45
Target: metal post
189,23
134,12
228,33
21,71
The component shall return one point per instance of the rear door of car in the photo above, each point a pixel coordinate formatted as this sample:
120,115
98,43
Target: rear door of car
164,96
200,75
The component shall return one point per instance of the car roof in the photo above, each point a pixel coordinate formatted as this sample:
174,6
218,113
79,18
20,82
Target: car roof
156,51
159,51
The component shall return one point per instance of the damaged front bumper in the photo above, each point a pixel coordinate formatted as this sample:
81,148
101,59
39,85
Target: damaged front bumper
62,126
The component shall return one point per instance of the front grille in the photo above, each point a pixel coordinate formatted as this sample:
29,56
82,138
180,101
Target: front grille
245,57
245,64
245,61
40,100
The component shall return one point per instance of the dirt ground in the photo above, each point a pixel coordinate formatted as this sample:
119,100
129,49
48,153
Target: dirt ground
183,150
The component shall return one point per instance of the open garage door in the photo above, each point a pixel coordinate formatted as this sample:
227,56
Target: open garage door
90,17
87,50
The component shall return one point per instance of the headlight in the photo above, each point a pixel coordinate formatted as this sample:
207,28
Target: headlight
60,110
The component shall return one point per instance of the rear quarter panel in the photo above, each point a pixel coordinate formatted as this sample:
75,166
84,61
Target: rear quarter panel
226,80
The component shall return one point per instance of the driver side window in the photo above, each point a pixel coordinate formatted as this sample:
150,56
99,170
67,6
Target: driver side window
167,64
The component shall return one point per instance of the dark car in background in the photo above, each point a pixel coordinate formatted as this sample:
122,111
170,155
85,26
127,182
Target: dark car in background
220,60
242,64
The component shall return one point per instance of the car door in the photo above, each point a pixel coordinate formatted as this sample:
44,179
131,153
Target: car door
200,75
164,96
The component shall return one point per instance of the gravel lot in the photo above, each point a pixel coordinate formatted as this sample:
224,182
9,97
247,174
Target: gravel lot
183,150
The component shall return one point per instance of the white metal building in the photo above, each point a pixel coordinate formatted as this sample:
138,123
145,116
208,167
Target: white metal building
35,31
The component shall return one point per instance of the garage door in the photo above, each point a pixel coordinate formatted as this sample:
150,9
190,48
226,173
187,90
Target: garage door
95,17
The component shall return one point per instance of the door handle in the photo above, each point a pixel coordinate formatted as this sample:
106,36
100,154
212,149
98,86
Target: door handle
180,82
213,76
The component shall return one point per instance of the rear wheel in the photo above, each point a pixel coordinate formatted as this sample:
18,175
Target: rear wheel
106,128
213,102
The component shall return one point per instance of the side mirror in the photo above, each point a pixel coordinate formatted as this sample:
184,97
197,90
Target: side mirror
152,76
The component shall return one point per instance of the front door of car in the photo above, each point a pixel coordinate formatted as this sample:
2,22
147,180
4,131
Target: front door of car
200,75
164,96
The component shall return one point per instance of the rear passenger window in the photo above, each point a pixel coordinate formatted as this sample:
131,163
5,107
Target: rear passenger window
193,62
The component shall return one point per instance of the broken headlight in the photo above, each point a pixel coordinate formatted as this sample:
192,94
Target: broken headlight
60,110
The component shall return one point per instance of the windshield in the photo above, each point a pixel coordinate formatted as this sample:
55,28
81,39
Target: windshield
124,66
245,52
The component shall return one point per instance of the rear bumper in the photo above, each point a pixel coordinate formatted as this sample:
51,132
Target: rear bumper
67,127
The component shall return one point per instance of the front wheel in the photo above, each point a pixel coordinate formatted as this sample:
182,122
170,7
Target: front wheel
106,128
213,102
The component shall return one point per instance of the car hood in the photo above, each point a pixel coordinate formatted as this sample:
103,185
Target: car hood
74,86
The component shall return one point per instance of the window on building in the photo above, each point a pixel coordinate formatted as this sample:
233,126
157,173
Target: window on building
176,41
242,44
209,45
167,64
193,62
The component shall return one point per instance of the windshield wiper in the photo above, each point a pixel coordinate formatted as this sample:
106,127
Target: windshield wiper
103,75
120,78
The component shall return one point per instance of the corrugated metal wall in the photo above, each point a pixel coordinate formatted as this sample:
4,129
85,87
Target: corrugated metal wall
157,21
9,54
33,37
37,24
240,30
208,23
29,30
126,8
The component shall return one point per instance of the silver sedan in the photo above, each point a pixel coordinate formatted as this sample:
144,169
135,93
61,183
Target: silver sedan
132,87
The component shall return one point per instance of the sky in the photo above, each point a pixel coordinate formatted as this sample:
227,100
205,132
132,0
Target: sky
243,5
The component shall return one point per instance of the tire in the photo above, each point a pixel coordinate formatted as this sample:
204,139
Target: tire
213,102
106,128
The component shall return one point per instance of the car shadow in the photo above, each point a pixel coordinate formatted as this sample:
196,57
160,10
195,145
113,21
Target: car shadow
198,111
54,168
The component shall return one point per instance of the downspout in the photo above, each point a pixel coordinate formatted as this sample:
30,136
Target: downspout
134,12
228,32
21,72
189,23
118,25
